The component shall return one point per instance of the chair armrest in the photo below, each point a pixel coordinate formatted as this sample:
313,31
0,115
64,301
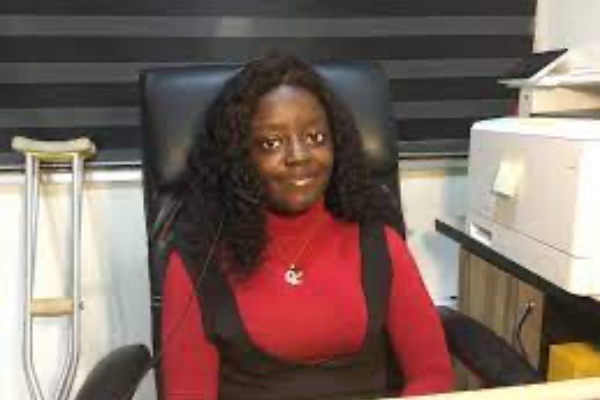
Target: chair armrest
117,375
485,353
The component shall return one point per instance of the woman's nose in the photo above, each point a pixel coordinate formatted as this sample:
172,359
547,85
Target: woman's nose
297,151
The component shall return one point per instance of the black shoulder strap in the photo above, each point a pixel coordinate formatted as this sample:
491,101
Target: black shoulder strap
220,302
220,313
204,282
376,275
216,294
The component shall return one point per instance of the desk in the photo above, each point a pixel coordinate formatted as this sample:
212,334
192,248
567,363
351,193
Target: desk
495,290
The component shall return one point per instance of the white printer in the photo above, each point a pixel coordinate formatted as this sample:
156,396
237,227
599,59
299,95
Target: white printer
534,196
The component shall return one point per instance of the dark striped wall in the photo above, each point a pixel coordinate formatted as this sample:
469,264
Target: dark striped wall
70,66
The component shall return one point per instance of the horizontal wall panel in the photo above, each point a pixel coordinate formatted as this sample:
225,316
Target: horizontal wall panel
94,49
126,94
71,95
129,116
452,88
130,136
104,137
68,117
76,72
123,137
70,65
245,27
452,109
434,129
102,72
446,68
288,8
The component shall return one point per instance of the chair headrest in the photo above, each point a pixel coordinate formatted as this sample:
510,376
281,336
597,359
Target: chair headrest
175,102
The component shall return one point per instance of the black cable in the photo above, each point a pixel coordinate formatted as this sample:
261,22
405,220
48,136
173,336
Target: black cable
517,341
191,298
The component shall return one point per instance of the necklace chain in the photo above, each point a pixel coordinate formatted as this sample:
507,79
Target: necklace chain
294,275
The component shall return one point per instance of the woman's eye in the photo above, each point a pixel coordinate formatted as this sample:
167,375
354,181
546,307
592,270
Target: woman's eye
270,143
315,137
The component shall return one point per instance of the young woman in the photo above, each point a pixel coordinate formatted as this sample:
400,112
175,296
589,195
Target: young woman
287,281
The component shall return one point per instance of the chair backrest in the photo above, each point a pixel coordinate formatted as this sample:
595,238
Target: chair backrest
175,100
174,105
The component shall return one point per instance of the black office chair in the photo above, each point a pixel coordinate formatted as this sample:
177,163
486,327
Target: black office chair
174,102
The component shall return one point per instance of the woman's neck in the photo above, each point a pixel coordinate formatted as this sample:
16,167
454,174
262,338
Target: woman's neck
298,222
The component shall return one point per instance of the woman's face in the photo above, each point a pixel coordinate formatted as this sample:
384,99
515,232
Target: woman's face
292,148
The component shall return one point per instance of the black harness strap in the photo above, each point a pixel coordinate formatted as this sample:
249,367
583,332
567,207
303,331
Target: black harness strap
249,373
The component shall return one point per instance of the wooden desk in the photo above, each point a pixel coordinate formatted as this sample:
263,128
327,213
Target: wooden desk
497,291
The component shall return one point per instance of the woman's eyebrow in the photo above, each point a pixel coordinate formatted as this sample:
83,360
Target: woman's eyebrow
268,126
316,121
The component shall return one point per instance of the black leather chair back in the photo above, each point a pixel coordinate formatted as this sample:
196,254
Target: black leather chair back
174,105
175,100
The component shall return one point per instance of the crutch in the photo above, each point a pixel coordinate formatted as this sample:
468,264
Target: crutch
36,152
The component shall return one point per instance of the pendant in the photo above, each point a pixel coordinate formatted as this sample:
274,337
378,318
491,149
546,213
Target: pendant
293,276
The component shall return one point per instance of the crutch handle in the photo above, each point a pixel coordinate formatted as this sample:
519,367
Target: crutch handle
54,150
52,307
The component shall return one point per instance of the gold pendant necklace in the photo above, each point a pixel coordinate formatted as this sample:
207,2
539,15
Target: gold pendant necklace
293,275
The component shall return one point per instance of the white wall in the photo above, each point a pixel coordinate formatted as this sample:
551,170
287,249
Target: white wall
431,190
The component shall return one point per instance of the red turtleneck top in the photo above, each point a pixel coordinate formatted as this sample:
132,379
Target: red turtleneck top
323,317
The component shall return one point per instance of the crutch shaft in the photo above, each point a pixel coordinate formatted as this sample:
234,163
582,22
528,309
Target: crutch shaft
31,211
72,359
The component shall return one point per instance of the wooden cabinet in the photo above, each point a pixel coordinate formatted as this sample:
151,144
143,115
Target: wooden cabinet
508,306
510,299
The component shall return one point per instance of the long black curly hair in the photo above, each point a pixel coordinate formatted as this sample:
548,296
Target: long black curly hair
221,186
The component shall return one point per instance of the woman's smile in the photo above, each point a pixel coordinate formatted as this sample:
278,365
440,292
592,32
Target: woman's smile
301,182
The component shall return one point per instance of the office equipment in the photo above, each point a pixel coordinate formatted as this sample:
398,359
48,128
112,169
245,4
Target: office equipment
534,196
530,69
557,82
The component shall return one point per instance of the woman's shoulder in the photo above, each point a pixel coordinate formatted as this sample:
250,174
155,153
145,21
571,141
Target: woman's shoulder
349,233
395,241
392,234
176,278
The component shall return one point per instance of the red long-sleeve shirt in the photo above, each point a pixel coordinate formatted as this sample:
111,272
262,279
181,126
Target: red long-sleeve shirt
322,318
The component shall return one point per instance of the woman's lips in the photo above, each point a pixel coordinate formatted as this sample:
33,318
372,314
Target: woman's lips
301,181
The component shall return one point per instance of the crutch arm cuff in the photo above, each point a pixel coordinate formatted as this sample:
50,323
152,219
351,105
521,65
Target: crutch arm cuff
82,145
